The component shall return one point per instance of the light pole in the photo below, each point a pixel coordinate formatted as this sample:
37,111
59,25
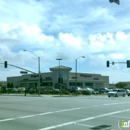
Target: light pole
59,68
38,70
76,69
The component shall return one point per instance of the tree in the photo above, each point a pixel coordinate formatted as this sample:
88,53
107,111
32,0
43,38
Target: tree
121,85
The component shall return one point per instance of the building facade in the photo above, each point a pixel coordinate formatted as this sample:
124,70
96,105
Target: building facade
60,77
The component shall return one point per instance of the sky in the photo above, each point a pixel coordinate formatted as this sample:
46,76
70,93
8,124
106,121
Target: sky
66,29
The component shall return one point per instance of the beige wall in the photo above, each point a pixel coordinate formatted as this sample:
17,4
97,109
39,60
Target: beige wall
85,78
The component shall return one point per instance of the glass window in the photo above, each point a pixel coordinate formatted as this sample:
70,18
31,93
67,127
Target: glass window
89,84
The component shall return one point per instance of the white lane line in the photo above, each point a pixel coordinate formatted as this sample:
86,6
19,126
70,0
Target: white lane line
85,119
64,110
25,117
10,119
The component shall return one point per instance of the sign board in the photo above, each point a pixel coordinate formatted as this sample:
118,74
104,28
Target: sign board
35,75
23,72
85,75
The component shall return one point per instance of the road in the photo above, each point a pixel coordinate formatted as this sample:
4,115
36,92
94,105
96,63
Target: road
49,112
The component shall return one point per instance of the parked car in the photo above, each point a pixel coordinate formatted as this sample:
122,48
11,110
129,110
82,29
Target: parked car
91,90
51,89
128,93
76,89
42,90
103,90
15,90
117,92
10,90
32,90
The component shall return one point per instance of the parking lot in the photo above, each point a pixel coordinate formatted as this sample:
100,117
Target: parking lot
49,112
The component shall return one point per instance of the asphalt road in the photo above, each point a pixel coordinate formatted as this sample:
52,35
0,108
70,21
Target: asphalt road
18,112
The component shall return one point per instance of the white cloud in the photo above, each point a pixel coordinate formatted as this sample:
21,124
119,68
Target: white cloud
116,56
21,33
70,41
122,36
29,11
100,13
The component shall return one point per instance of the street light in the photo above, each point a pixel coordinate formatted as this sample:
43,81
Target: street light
38,70
76,69
59,69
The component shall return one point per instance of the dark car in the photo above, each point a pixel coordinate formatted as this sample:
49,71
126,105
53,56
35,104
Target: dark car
10,90
103,90
75,89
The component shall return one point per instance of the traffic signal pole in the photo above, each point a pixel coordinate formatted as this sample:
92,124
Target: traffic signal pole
127,63
18,67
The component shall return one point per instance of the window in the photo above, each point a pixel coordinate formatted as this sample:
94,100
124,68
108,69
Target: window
72,84
73,77
89,84
48,78
85,75
96,78
79,84
47,84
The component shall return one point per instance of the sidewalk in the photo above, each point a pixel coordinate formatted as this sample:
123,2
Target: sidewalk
44,95
21,94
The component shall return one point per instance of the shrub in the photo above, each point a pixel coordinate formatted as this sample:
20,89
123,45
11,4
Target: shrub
86,92
64,91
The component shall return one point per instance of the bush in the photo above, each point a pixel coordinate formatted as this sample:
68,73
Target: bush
86,92
53,92
64,91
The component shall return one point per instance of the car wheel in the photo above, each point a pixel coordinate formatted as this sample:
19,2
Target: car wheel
123,95
116,95
108,96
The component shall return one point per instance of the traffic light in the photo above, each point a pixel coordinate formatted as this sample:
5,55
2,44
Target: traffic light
5,64
128,63
116,1
107,63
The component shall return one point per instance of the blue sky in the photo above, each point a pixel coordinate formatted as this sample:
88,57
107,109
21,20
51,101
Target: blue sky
65,29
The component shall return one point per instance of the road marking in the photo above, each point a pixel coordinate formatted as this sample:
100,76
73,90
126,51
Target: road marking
25,116
81,120
64,110
10,119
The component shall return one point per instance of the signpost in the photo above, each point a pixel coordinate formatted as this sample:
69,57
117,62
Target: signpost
23,72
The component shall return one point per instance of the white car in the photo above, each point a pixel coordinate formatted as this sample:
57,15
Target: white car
128,93
117,92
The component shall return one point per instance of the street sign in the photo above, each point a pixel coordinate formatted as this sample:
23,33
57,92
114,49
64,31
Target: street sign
34,75
23,72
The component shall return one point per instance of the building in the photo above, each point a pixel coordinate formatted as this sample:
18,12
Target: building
3,85
60,77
